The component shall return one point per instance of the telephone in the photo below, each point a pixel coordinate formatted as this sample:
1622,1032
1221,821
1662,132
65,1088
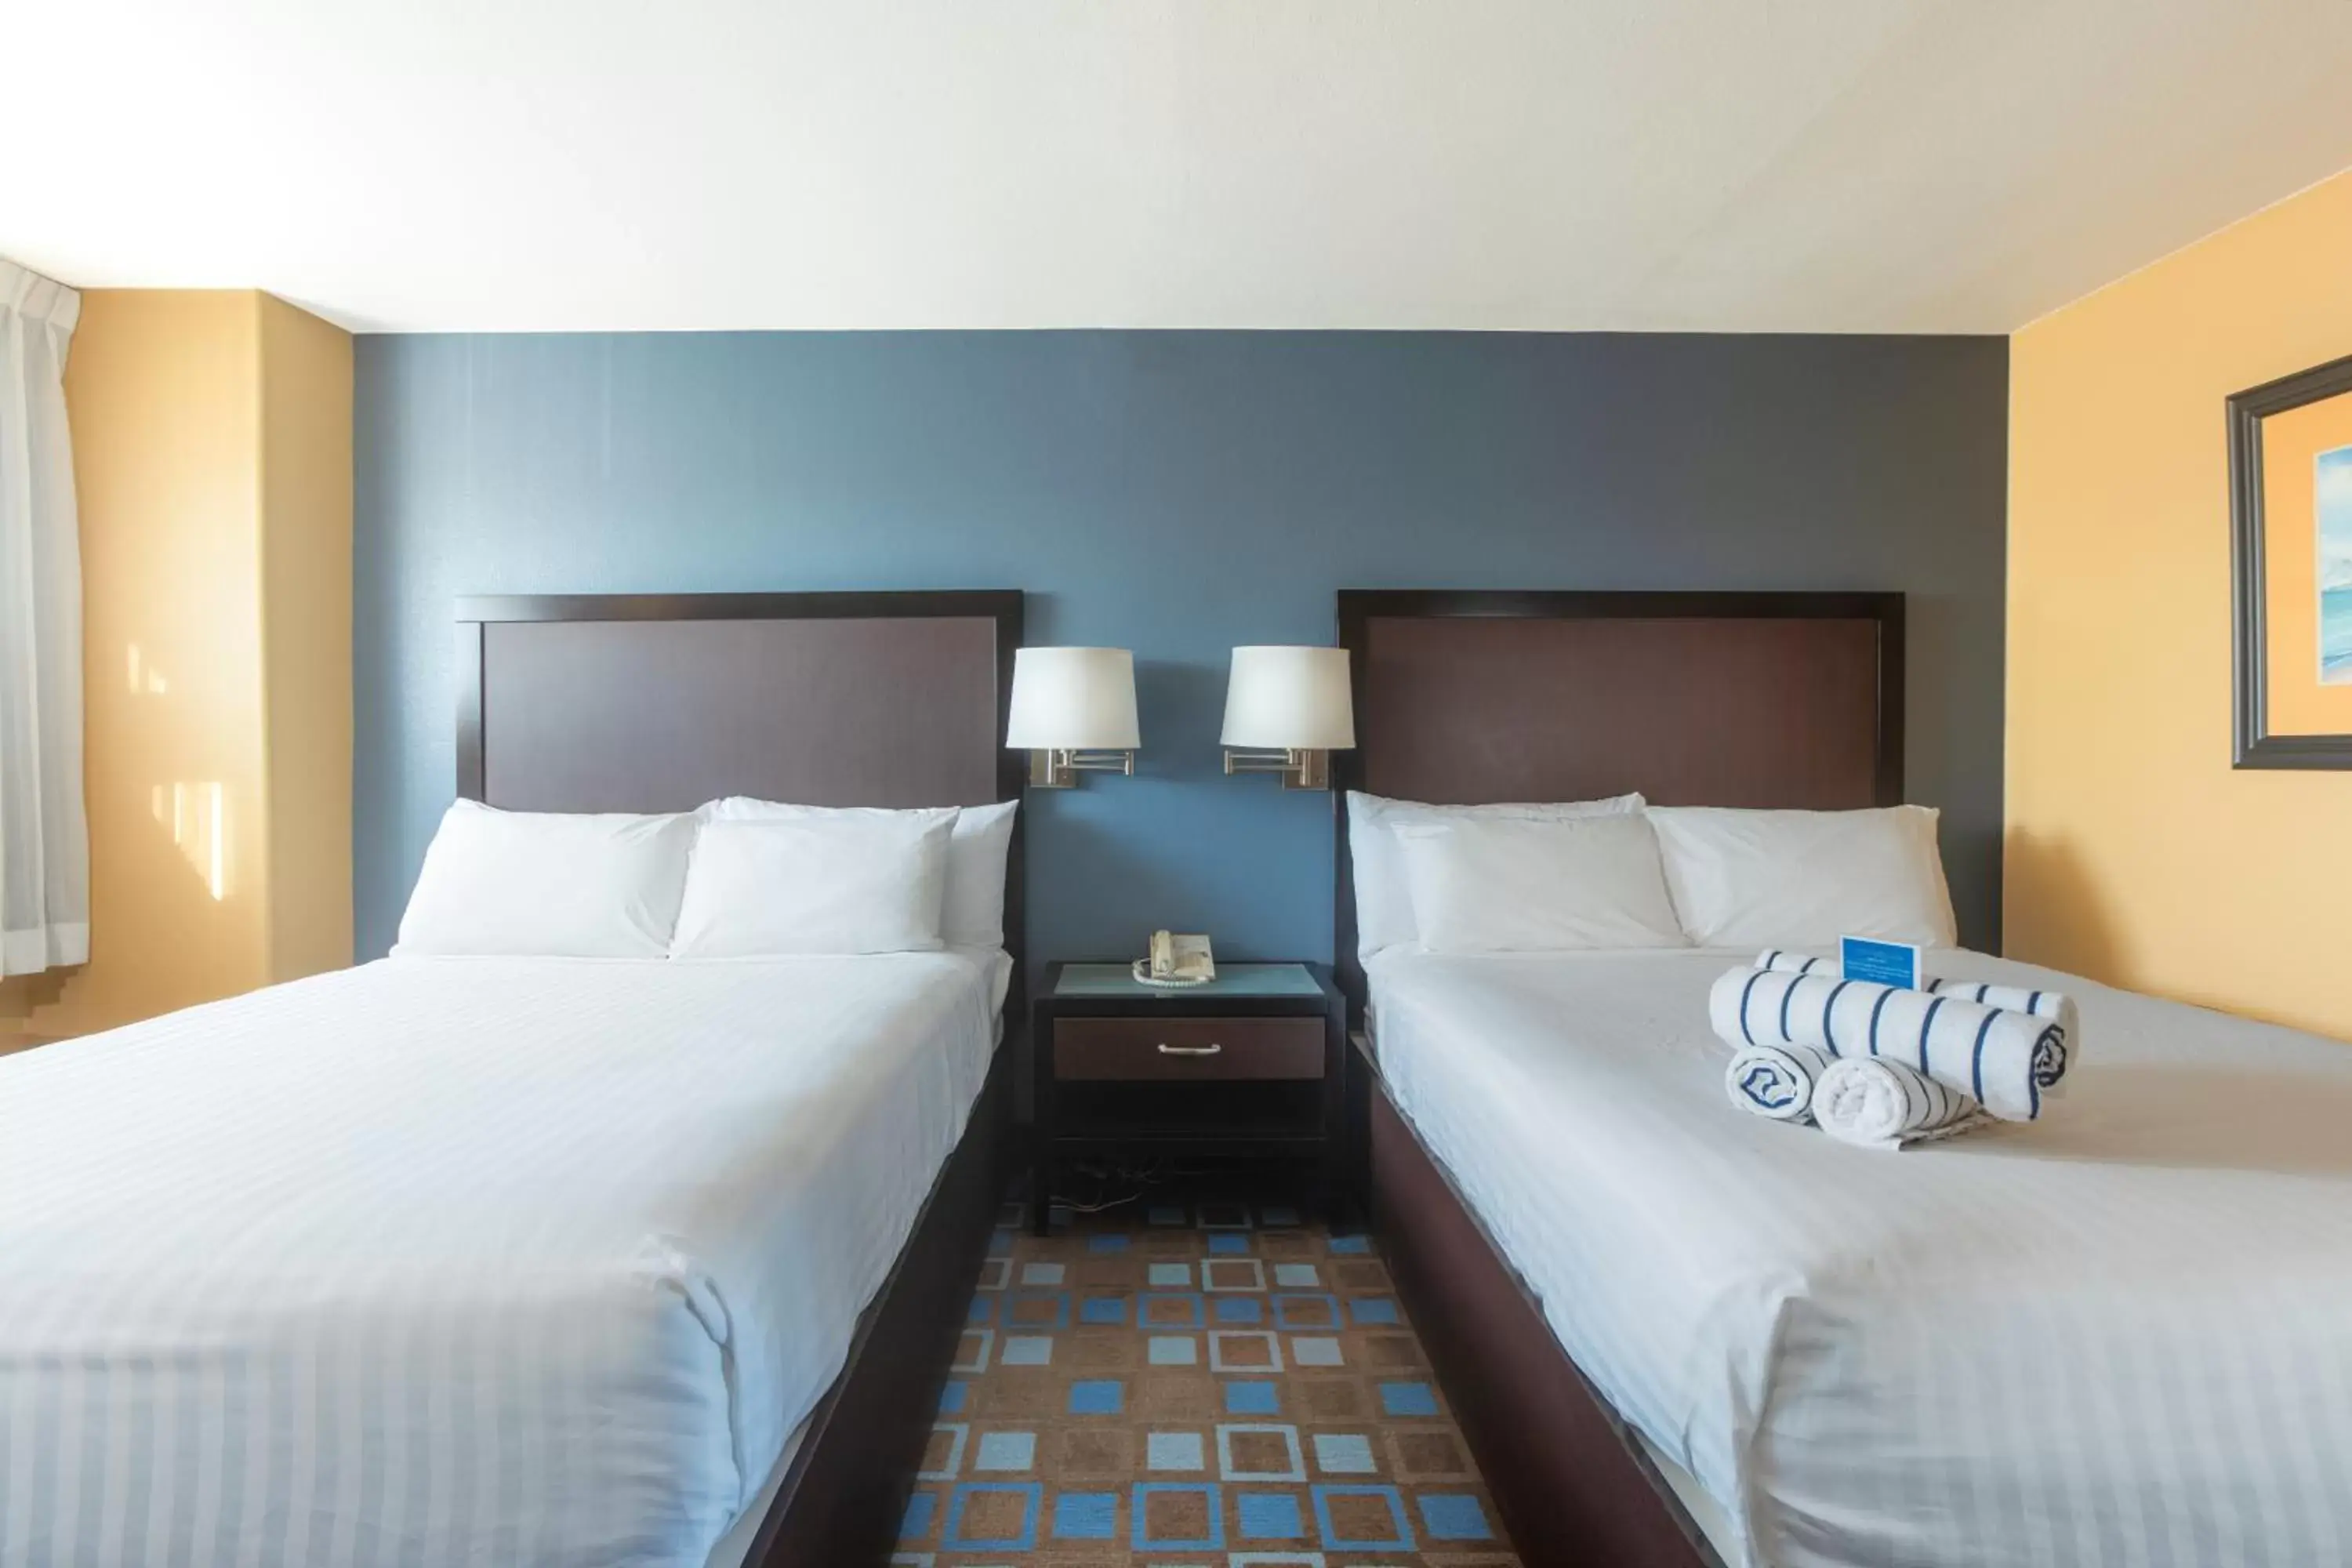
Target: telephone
1177,960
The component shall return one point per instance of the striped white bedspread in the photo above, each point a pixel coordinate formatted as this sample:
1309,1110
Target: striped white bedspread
2119,1335
443,1261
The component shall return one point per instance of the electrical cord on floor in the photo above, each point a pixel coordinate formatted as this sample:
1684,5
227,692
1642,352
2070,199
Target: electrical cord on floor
1136,1181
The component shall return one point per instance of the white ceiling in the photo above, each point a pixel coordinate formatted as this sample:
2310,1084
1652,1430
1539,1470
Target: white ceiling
1847,166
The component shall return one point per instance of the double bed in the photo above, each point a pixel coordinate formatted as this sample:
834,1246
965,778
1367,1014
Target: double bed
538,1260
1678,1333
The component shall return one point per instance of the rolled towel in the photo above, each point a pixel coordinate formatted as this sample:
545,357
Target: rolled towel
1776,1081
2054,1005
2002,1059
1879,1103
2016,998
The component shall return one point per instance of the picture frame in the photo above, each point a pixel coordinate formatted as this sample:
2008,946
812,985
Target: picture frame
2292,685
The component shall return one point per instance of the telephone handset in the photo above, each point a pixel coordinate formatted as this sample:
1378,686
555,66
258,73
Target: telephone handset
1177,960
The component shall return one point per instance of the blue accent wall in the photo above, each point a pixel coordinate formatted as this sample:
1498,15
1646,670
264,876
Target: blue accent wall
1176,493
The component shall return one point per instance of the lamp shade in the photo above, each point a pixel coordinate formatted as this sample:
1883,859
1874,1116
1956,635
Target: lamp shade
1073,698
1289,699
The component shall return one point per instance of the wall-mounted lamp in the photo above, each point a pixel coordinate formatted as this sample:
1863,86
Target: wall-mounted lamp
1073,712
1286,710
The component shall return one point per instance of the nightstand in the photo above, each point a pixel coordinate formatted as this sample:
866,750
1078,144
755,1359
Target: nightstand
1254,1064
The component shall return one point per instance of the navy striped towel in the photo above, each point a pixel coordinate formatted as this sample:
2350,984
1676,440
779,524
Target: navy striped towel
1776,1081
2005,1061
2054,1005
1878,1102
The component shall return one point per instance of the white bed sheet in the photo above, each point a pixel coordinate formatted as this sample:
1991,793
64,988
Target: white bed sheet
2122,1334
731,1549
446,1261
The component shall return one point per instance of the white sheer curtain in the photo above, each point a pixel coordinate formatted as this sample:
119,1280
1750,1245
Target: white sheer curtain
43,839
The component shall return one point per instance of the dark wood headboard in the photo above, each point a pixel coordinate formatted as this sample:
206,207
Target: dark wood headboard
661,702
1696,699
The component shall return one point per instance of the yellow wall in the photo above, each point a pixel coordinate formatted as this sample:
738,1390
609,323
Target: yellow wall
212,458
2136,854
306,636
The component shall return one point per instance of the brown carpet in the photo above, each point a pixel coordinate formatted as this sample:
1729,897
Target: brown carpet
1210,1383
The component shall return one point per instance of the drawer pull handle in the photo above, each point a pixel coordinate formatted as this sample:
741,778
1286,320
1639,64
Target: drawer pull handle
1168,1050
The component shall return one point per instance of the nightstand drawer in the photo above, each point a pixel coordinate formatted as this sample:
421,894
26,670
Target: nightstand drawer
1188,1047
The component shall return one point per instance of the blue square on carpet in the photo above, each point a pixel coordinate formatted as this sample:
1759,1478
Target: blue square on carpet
1454,1516
1351,1244
1345,1454
1165,1214
1269,1515
1251,1398
1226,1241
1006,1451
978,1311
1105,1244
1000,1245
954,1396
1408,1399
1281,1216
1374,1310
917,1521
1174,1451
1103,1309
1096,1396
1085,1516
1240,1309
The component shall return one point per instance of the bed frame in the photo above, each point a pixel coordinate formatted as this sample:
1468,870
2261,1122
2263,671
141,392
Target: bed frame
1696,699
659,702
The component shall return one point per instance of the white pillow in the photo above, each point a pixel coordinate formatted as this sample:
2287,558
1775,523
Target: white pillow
1803,879
548,883
1500,885
974,912
845,881
1384,916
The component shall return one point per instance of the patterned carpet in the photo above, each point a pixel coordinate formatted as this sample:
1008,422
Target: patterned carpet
1217,1385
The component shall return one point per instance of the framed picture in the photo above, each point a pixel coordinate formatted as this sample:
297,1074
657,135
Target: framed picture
2291,555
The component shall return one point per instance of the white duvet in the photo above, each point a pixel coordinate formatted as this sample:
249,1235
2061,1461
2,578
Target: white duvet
441,1261
2122,1334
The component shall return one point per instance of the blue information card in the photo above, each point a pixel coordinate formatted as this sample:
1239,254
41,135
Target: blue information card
1881,962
